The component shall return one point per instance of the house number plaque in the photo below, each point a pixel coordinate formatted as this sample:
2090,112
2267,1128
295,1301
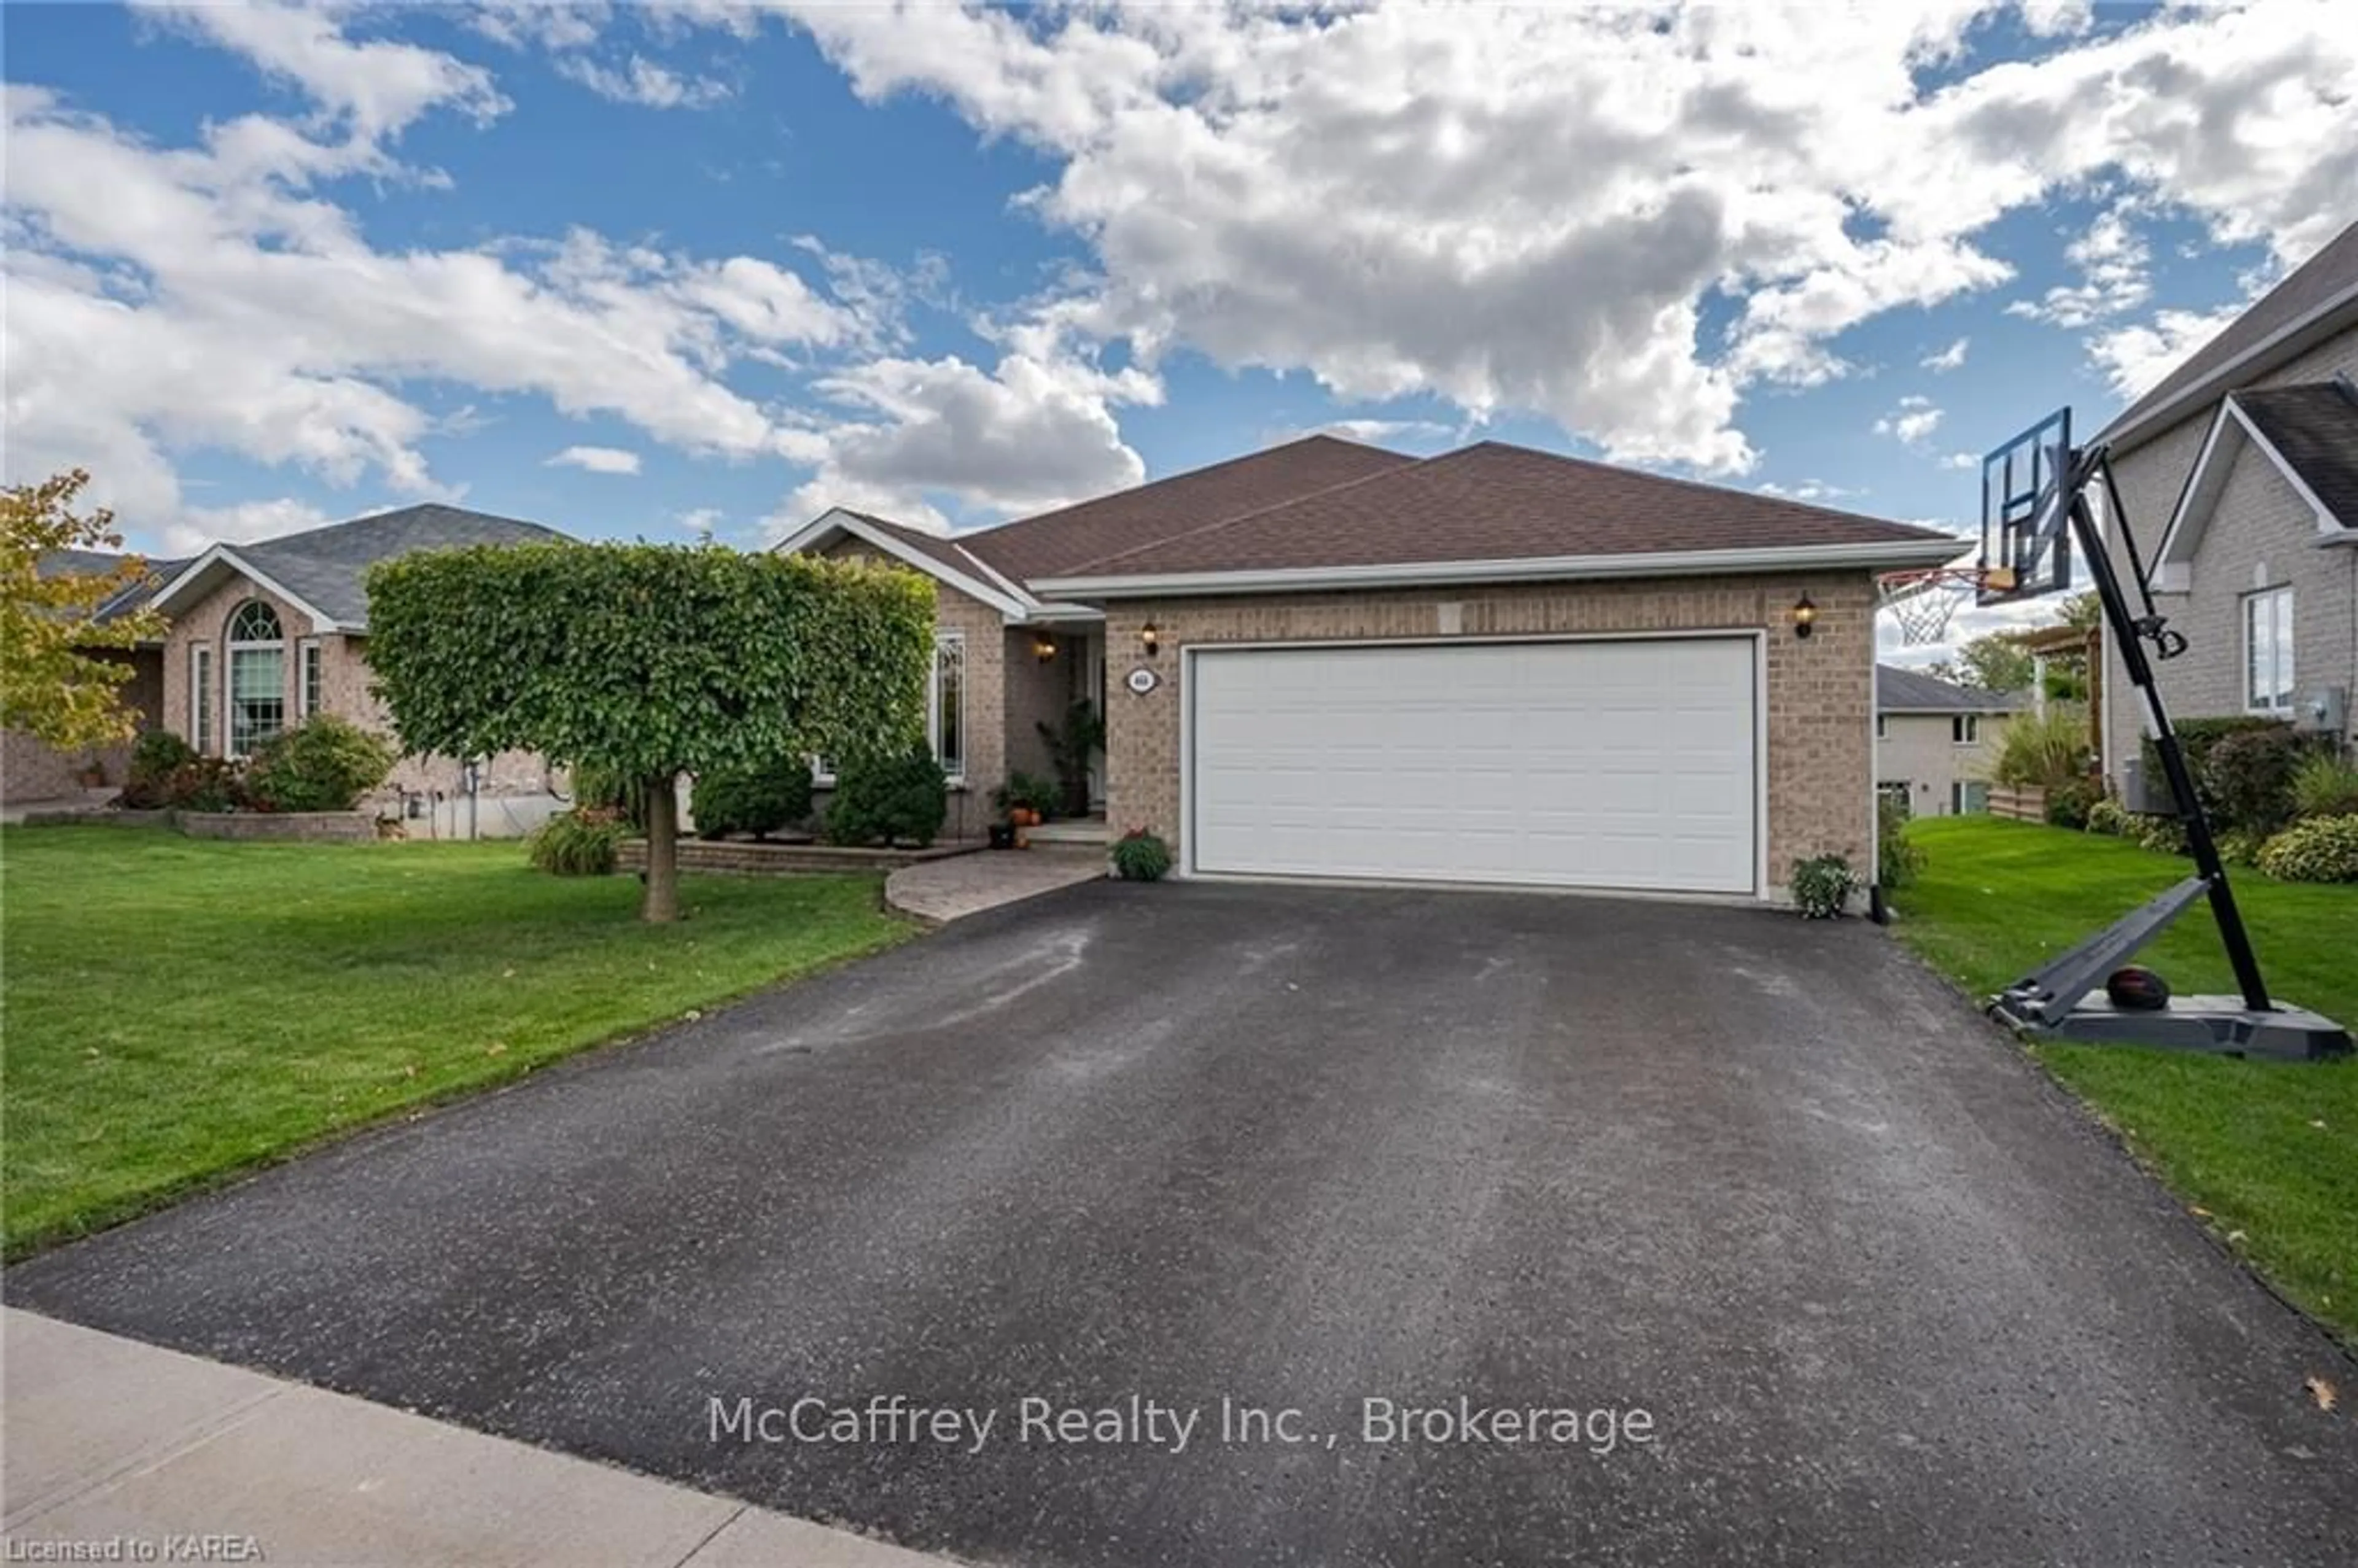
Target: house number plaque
1142,680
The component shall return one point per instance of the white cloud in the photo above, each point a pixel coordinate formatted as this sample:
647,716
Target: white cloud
643,82
596,460
381,84
1914,419
1961,460
1360,194
2134,358
242,524
1029,435
1812,490
2112,262
1378,432
1948,359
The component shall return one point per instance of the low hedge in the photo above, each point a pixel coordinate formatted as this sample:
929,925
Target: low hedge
2322,850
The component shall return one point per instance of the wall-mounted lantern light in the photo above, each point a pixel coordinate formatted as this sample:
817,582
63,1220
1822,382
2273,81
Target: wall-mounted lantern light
1805,617
1148,639
1043,647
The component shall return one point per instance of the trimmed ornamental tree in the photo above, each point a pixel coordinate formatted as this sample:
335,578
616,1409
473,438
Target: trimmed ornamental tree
645,662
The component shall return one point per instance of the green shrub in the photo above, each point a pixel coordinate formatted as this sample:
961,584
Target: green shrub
1026,791
1897,860
2109,816
2246,779
2162,835
2325,785
2040,750
578,843
1821,885
2196,739
158,758
324,763
899,799
756,800
2070,801
2322,850
1140,857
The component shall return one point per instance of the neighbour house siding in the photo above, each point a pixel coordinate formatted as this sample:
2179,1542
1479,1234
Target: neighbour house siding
2262,530
1819,691
31,769
1916,747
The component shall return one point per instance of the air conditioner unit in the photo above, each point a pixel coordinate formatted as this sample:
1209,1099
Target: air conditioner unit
2143,794
2324,710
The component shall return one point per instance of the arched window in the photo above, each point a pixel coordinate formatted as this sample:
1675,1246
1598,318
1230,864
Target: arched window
257,676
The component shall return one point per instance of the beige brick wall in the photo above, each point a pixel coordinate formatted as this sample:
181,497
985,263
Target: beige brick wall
1821,691
344,682
1919,747
2263,534
30,769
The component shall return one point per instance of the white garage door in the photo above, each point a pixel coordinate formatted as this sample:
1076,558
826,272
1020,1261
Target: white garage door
1618,765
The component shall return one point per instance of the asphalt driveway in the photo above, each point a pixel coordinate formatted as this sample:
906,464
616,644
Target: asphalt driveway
1882,1294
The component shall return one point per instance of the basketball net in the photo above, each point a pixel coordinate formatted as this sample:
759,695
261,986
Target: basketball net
1924,601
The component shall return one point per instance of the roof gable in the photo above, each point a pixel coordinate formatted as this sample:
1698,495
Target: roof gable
943,559
2307,432
320,570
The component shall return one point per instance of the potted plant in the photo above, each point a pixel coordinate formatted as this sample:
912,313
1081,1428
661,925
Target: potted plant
92,775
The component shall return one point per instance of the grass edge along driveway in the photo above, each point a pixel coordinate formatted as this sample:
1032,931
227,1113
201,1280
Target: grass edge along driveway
178,1011
2264,1152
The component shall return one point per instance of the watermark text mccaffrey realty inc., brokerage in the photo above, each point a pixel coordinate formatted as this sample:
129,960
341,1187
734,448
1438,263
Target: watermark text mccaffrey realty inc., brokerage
1136,1421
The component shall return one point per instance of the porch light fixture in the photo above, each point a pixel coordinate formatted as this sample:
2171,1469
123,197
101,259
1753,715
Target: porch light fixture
1148,639
1805,618
1043,647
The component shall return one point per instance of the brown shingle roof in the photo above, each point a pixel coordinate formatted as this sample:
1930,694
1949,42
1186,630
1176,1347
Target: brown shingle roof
2315,281
2314,427
942,551
1053,543
1494,502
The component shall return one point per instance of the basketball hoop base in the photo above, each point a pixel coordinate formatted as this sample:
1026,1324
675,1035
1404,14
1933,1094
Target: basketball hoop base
2221,1025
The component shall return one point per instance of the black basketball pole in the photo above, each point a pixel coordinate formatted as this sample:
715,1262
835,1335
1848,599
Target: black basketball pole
2128,633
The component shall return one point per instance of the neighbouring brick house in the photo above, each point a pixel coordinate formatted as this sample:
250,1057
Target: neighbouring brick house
1935,742
2239,476
264,635
1327,660
31,769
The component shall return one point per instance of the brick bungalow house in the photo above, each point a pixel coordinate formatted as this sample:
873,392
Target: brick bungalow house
264,635
1327,660
2239,475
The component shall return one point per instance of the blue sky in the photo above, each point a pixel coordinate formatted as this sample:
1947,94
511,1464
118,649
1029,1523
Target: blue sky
652,269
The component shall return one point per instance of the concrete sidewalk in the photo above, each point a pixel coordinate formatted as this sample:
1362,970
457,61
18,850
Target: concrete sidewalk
110,1441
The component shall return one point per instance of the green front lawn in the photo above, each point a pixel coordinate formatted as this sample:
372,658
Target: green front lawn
2268,1151
179,1010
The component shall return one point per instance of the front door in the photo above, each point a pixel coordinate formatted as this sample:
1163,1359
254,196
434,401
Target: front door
1093,690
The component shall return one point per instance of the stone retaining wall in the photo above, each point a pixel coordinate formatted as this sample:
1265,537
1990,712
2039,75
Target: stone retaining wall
301,827
748,858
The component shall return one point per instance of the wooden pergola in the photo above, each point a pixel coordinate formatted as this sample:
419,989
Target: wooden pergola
2045,643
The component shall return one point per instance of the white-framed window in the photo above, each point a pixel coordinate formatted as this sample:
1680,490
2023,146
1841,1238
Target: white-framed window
945,712
201,698
945,703
2267,651
257,676
307,678
1965,729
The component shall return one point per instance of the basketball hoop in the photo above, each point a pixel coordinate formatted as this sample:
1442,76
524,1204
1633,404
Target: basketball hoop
1926,599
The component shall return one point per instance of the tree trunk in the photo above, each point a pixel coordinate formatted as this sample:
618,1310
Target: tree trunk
660,903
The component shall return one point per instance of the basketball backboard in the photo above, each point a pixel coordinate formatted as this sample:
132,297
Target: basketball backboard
2026,528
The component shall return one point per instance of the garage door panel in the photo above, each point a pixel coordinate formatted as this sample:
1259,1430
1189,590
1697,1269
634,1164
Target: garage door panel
1606,764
